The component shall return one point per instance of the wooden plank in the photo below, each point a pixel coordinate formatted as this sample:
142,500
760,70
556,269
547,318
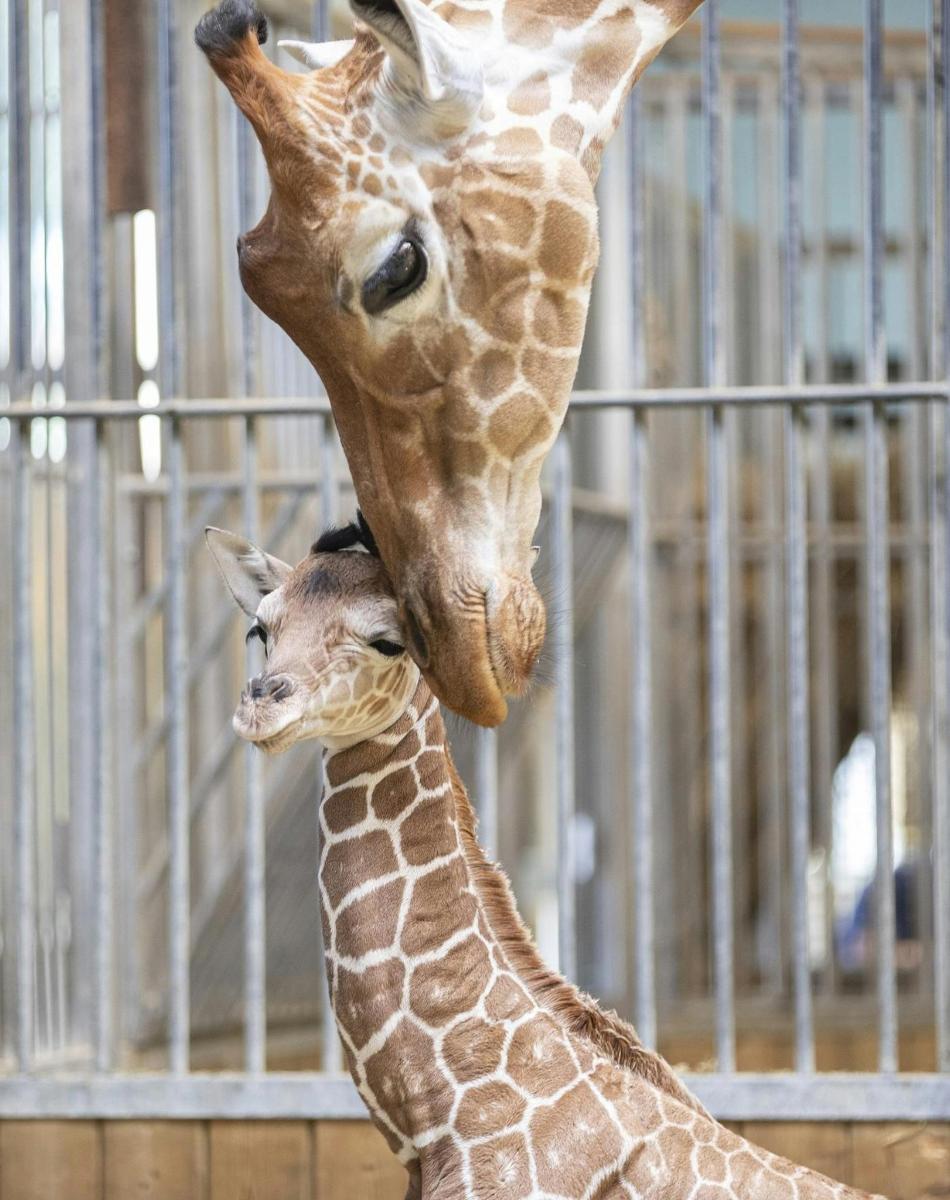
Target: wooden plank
823,1146
352,1159
261,1160
50,1160
904,1162
156,1160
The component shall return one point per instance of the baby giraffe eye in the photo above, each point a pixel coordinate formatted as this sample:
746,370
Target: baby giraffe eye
390,649
401,273
257,630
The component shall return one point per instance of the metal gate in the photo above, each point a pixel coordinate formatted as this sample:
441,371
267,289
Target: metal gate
647,819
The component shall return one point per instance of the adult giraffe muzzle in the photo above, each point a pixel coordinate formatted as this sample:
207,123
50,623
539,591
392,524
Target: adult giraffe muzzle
429,244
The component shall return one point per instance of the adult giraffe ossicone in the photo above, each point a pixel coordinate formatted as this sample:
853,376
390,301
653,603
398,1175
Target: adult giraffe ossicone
429,244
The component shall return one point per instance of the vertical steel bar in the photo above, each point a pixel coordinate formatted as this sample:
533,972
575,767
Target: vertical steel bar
84,300
244,136
797,565
176,698
562,524
170,362
641,681
176,639
102,791
255,946
717,555
320,20
641,775
824,659
914,451
940,571
772,856
329,513
878,538
24,735
486,789
23,742
329,496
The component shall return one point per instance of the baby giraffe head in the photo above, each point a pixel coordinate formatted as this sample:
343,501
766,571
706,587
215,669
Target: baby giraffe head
335,667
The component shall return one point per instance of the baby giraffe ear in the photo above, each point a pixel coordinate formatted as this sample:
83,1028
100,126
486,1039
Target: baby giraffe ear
250,573
430,58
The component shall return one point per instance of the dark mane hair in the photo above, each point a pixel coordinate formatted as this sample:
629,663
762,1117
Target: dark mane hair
357,533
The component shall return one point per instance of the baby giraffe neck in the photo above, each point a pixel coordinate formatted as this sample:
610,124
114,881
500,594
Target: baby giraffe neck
417,981
426,953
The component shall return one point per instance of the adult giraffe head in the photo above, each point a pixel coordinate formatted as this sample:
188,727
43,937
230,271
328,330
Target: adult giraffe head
429,244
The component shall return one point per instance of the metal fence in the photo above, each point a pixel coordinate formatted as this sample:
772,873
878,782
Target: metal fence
117,826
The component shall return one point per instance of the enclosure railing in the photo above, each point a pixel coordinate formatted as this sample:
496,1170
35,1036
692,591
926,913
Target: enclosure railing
31,1088
178,1093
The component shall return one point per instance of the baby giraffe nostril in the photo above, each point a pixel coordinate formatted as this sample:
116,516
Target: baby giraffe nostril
273,687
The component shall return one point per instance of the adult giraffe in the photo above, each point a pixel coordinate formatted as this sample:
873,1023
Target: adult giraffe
429,244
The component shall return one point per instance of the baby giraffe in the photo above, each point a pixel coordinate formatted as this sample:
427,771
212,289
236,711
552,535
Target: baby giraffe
489,1075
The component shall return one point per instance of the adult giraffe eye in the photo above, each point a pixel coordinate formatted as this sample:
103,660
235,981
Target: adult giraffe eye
399,276
390,649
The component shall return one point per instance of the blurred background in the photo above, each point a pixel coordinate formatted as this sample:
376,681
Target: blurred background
126,177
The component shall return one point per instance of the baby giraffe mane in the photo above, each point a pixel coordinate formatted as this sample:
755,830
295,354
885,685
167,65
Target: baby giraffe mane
578,1012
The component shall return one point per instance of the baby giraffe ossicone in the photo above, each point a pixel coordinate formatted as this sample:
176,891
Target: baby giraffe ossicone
488,1074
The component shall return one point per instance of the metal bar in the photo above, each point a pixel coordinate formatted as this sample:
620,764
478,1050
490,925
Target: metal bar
255,952
329,498
23,753
486,789
329,513
170,359
300,1095
714,396
797,564
876,506
717,557
641,773
24,735
940,516
563,644
641,682
102,791
320,21
176,692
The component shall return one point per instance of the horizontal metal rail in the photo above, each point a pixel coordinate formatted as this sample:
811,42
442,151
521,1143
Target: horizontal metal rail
599,398
298,1095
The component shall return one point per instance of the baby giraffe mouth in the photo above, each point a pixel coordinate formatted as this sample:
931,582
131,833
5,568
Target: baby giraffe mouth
274,737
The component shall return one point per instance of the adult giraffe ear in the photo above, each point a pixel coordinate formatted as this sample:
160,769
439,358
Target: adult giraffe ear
316,55
429,57
249,573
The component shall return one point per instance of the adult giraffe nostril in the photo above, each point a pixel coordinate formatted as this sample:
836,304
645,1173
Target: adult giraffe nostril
417,639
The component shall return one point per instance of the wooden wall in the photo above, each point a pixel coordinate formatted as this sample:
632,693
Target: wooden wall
337,1160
